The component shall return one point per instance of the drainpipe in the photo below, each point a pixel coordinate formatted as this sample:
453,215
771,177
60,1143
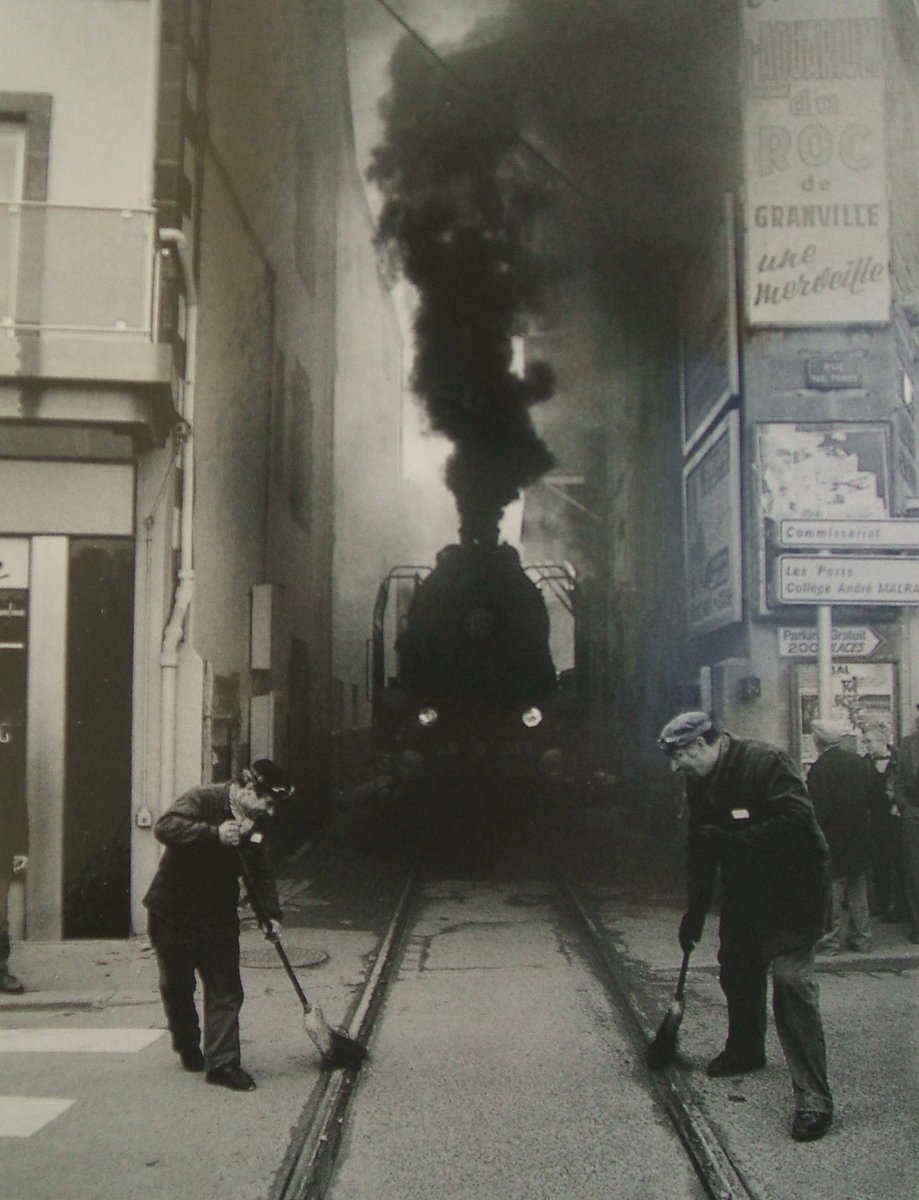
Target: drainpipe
185,588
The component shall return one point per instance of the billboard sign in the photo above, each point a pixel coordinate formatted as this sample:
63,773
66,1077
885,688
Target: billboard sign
709,374
817,230
711,530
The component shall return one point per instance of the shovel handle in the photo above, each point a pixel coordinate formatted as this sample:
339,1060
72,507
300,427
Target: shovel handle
681,982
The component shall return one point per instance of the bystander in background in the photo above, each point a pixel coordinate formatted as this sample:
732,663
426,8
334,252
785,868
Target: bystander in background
886,891
14,837
838,786
906,794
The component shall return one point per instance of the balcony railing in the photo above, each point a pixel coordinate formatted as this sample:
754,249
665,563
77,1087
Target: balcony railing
70,268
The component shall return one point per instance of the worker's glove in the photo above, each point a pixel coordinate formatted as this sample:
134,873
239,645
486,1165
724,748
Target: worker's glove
690,931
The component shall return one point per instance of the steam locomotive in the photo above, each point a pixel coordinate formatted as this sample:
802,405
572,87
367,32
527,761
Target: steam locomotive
475,702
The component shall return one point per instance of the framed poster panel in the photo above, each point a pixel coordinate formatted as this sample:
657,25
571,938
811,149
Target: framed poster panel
712,530
861,691
709,373
822,469
818,469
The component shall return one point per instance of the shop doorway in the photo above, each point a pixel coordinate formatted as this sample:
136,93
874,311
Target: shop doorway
66,671
97,789
14,827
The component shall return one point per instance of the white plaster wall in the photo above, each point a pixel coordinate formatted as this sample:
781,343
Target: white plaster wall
370,530
96,58
268,286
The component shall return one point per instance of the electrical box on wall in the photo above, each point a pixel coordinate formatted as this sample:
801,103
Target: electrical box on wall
735,689
262,725
263,610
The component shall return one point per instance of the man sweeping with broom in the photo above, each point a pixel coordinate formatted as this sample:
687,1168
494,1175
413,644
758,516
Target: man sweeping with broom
210,833
750,816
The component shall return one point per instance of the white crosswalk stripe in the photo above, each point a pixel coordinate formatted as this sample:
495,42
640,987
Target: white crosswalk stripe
77,1041
22,1116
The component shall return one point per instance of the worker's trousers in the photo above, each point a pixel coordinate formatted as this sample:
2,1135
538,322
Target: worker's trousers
180,953
745,964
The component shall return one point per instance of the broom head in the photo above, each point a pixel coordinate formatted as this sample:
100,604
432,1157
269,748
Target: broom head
663,1047
336,1048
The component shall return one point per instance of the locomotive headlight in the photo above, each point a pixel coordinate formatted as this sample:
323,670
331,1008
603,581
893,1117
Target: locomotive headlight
427,717
531,717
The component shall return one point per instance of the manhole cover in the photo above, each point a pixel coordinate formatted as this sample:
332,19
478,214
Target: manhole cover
267,956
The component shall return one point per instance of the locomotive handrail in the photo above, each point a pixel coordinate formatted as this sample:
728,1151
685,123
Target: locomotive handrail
564,584
560,580
376,666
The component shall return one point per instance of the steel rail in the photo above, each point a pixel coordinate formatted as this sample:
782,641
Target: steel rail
719,1175
307,1170
307,1167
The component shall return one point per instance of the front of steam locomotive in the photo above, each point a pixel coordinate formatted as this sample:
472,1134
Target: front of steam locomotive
476,681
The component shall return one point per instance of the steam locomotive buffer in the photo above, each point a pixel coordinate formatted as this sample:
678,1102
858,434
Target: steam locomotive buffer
476,709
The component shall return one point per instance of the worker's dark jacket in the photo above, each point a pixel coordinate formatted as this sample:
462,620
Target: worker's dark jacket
774,860
197,882
839,785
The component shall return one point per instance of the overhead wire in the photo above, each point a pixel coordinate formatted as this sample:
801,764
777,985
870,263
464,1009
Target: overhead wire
459,83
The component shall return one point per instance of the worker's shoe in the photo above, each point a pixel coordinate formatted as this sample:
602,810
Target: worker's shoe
809,1126
729,1063
192,1060
233,1077
9,983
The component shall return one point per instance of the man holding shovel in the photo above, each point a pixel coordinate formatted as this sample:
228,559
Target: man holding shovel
193,919
750,816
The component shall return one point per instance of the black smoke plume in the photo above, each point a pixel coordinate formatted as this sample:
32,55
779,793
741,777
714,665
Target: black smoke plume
457,202
587,133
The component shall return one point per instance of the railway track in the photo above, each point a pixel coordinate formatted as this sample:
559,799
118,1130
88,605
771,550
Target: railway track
309,1171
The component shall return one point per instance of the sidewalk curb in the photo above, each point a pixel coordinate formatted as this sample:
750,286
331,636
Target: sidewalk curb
87,1001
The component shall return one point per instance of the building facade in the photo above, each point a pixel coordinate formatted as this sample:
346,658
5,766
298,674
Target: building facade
792,462
176,178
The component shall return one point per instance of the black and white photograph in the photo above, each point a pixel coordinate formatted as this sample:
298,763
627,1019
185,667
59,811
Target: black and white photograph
459,599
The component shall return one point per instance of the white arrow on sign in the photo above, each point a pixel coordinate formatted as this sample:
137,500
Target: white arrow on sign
849,641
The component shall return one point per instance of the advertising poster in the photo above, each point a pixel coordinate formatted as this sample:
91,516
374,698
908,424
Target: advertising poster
817,239
711,510
811,469
861,691
708,332
817,470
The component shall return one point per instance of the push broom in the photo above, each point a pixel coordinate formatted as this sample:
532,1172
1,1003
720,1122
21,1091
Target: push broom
336,1048
663,1048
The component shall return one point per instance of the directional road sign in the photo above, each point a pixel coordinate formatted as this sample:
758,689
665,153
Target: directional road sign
811,533
847,579
849,641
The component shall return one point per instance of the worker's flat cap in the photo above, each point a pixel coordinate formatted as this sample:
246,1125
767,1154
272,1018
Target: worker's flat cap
269,778
683,729
829,732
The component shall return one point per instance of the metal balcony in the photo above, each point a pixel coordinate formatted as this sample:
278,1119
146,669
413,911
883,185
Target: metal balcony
79,313
77,268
